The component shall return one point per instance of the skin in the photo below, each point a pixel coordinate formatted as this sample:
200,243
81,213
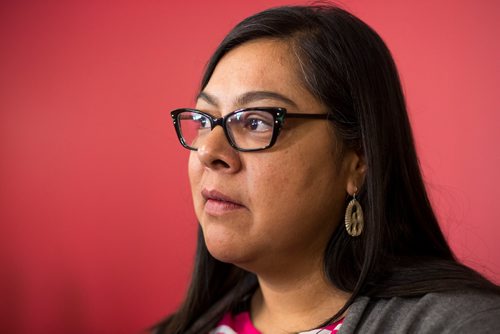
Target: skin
292,196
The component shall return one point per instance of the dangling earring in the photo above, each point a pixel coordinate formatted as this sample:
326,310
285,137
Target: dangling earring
354,221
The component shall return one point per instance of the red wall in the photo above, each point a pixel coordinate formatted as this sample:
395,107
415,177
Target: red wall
96,227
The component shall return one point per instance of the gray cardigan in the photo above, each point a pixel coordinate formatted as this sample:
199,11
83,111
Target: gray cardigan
465,312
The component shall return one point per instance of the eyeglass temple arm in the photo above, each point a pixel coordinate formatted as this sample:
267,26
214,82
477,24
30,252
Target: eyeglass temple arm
308,116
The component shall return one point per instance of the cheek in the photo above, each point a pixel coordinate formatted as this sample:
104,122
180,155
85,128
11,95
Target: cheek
297,170
195,171
302,181
295,203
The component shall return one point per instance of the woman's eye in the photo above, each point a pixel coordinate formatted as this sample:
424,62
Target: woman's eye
201,122
257,121
256,124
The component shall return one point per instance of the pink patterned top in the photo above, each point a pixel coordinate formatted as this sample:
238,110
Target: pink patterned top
242,324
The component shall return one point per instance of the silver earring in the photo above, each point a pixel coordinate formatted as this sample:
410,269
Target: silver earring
354,221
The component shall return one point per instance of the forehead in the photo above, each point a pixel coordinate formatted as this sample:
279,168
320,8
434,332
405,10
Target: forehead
259,61
259,65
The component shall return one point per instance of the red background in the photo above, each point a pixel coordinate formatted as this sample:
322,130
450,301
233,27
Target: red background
96,227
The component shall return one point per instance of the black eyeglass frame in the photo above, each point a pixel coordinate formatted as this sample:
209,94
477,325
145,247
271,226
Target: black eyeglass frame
279,116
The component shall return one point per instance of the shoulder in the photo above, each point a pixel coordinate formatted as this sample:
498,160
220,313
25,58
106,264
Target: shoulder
442,312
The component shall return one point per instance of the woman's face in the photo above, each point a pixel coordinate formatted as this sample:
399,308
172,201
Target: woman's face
267,209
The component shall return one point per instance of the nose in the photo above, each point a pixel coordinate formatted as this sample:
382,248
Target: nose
217,154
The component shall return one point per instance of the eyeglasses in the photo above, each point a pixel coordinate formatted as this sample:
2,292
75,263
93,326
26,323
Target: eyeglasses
247,130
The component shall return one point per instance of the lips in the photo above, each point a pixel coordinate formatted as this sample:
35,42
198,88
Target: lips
217,204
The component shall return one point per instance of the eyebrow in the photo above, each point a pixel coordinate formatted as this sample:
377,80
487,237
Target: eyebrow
249,97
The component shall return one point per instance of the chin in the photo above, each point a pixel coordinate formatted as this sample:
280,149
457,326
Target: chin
236,253
225,252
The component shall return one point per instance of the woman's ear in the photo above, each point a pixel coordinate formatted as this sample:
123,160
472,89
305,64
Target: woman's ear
356,172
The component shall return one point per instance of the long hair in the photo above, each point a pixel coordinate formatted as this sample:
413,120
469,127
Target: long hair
402,251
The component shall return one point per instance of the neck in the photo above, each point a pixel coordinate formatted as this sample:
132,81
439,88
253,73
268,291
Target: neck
293,302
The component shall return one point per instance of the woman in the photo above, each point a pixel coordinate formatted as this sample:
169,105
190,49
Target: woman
313,213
